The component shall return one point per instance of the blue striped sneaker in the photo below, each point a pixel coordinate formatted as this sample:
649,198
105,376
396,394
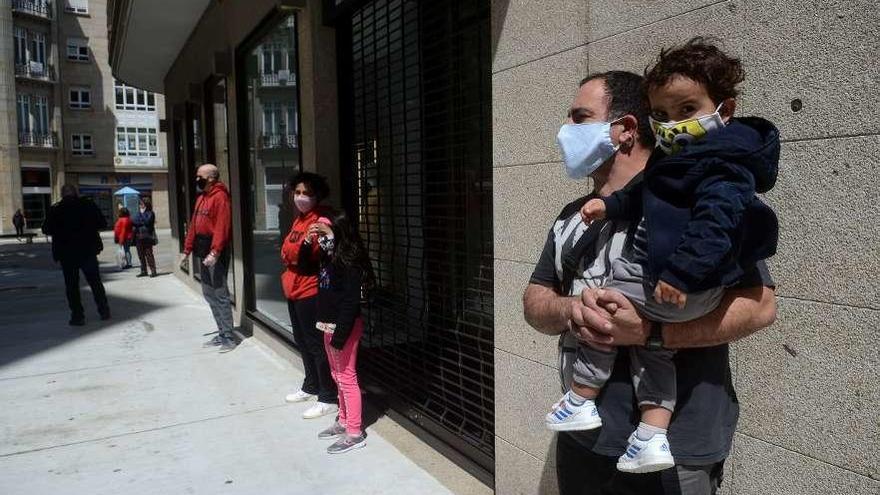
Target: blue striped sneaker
565,416
646,456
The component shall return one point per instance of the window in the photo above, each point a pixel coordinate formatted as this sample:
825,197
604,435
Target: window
81,145
80,97
129,98
136,141
20,46
77,6
38,48
41,115
78,49
23,110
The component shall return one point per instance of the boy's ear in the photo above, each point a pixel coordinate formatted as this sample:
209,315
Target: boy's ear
728,107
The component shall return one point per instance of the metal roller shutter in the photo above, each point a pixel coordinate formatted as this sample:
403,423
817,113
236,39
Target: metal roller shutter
420,151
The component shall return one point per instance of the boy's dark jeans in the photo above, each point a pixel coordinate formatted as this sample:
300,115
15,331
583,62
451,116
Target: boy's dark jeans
580,471
89,267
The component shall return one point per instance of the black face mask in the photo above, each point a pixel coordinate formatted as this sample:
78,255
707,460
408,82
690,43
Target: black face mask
201,183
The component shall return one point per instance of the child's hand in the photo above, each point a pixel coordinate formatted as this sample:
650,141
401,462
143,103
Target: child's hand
594,209
665,293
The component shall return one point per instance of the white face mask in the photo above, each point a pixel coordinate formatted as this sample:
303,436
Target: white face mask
673,136
585,147
304,203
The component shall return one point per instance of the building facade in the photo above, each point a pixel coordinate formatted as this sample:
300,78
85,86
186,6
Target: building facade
435,124
67,119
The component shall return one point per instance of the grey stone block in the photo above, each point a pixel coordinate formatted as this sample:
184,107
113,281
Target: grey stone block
527,199
530,103
512,333
760,468
519,473
809,384
522,31
610,18
524,392
822,53
826,200
635,49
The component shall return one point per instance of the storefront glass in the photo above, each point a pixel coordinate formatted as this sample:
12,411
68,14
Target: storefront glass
271,109
217,146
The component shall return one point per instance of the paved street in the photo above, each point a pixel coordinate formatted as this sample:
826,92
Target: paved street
136,405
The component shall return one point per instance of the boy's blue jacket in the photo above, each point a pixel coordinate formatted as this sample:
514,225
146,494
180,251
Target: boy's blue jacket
704,222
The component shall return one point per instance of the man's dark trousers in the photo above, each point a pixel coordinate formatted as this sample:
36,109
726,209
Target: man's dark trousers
89,266
583,472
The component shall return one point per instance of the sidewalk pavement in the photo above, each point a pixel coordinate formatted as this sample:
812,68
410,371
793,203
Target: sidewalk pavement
135,405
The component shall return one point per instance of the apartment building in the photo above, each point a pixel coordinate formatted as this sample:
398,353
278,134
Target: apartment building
66,120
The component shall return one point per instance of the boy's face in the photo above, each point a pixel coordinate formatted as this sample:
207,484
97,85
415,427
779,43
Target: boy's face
681,98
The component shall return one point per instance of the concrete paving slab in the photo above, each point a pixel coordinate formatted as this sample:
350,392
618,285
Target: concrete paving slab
137,405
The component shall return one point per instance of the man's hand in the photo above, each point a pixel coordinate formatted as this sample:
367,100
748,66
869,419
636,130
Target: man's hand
609,319
594,209
210,260
182,260
665,293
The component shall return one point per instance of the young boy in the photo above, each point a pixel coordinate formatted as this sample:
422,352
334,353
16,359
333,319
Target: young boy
700,225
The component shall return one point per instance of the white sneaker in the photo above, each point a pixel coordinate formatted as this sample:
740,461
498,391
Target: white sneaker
320,409
298,396
567,417
646,456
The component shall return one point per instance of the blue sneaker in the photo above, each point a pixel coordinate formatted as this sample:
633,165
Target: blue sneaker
565,416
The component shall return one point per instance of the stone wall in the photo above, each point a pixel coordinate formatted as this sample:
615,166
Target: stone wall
806,384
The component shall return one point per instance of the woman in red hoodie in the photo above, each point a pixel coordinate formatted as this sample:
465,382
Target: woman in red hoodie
123,234
301,290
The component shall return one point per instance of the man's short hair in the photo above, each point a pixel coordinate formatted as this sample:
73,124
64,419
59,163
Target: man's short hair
68,191
700,60
626,96
213,171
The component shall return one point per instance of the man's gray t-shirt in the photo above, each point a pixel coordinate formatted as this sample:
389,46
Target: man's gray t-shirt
707,409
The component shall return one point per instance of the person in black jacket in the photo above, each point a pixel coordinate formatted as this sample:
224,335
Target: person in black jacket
344,269
701,227
74,223
145,236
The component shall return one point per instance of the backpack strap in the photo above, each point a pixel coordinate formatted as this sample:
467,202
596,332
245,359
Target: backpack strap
572,259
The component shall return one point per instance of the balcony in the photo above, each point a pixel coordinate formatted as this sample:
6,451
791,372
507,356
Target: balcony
278,79
38,140
41,9
35,71
278,141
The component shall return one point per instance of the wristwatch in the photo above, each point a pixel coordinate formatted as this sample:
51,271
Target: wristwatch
655,338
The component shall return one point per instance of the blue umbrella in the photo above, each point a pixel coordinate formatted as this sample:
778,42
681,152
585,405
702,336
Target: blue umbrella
125,191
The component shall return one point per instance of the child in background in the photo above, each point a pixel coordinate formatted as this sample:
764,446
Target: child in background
344,269
123,234
700,227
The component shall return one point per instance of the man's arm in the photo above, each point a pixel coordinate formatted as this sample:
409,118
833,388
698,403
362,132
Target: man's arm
549,313
741,313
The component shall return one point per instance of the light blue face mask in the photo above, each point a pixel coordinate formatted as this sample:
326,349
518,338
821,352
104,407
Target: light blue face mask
585,147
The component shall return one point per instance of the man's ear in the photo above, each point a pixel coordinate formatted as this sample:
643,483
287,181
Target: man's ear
627,137
728,107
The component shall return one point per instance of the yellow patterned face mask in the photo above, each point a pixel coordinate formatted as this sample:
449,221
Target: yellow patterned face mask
673,136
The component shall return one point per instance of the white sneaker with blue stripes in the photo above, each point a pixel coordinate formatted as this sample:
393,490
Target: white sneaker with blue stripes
646,456
566,416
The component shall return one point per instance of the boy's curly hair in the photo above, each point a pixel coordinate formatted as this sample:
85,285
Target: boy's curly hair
698,59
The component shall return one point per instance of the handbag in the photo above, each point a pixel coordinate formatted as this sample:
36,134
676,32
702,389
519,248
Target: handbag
120,257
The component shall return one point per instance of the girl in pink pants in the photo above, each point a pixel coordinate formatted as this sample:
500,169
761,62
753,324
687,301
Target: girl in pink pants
344,269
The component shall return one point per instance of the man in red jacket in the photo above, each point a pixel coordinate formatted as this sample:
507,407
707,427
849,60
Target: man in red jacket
208,238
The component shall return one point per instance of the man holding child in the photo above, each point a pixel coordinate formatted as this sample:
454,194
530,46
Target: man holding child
604,446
